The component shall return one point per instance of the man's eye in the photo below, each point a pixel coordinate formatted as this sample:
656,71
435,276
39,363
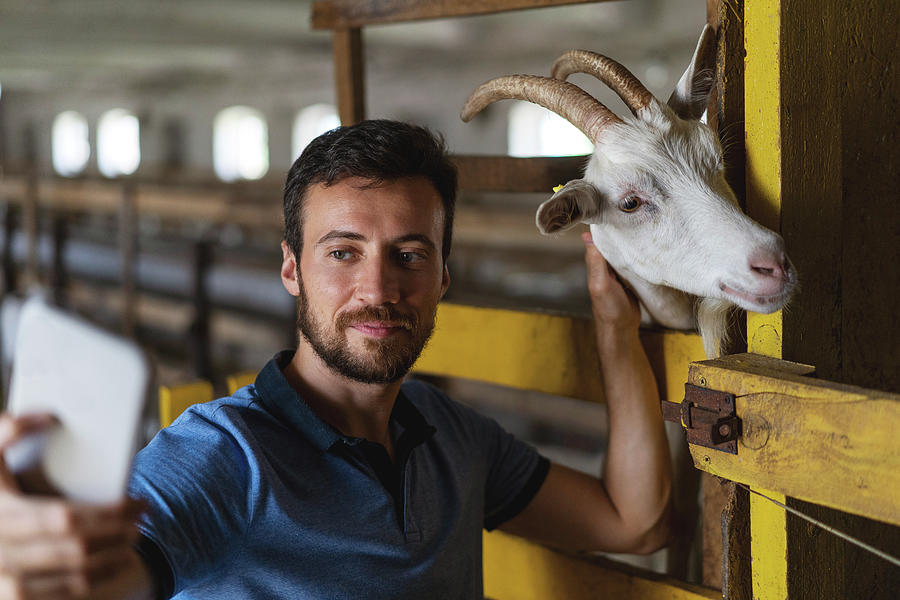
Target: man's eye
411,257
339,254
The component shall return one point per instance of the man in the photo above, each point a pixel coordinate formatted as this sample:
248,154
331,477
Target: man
330,477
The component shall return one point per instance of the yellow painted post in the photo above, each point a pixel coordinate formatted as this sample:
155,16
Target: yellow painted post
238,380
762,101
174,400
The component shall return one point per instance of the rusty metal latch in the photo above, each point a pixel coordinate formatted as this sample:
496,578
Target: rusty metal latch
707,416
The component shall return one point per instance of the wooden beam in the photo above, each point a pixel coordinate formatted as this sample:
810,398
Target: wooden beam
258,206
542,352
823,442
349,75
9,262
30,227
762,42
174,400
725,520
515,569
341,14
513,174
128,253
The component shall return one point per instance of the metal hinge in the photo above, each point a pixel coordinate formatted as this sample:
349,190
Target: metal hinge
707,416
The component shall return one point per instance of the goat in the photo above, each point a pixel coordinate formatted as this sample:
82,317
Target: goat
655,196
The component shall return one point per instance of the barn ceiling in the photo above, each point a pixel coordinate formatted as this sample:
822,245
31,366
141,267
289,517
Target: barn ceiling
48,46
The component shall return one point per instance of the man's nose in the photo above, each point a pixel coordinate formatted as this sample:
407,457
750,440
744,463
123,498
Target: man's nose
378,283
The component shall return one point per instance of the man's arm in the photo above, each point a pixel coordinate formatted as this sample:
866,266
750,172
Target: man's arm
626,510
53,548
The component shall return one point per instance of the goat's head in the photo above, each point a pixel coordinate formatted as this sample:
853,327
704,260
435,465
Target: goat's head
654,190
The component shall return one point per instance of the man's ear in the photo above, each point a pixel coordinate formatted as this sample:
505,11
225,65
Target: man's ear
445,281
289,270
576,202
691,94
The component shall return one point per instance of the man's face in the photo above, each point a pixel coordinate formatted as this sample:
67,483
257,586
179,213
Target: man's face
370,275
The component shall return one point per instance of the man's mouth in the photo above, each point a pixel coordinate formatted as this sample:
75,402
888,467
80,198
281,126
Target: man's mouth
377,329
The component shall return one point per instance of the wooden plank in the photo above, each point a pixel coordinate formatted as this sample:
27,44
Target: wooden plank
543,352
200,327
349,75
823,442
338,14
737,583
236,381
174,400
128,252
30,227
259,205
868,94
59,277
513,174
762,106
10,218
723,552
515,569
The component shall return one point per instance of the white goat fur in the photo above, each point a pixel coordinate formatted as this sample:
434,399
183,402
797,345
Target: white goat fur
687,250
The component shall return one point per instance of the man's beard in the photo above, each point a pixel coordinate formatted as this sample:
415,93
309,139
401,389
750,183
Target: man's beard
386,361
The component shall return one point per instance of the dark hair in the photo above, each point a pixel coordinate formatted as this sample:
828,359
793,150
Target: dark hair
379,150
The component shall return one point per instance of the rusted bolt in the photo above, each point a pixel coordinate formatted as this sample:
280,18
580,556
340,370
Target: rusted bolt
724,430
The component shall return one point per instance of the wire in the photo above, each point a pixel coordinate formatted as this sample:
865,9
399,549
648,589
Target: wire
891,559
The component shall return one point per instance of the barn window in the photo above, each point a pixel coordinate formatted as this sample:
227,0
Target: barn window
240,144
118,143
310,123
535,131
70,147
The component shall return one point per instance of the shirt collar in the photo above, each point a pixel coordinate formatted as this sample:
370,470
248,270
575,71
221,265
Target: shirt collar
280,399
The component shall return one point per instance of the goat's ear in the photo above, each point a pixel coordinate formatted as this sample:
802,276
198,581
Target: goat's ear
689,99
576,201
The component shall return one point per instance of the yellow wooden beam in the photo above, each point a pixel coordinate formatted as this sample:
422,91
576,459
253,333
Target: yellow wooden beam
824,442
542,352
174,400
238,380
515,569
762,105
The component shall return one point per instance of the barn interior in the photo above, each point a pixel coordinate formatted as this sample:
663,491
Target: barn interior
144,145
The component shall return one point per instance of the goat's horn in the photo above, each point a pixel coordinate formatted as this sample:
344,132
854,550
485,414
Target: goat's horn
617,77
565,99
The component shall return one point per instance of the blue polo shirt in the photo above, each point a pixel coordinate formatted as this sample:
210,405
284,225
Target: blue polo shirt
254,496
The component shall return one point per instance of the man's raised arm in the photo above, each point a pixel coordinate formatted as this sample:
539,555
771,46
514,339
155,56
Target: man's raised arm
53,548
626,510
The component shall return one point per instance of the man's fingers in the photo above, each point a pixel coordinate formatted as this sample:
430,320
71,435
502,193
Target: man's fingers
54,586
61,567
600,275
28,516
43,556
15,427
49,556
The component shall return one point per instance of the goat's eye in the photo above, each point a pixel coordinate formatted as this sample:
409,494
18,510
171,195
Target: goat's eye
630,203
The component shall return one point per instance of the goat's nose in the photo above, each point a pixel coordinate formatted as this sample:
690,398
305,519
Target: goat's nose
773,266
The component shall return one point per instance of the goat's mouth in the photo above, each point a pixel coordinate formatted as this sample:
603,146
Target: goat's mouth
757,302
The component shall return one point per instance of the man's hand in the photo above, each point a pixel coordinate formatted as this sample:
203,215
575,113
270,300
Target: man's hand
53,548
627,510
614,306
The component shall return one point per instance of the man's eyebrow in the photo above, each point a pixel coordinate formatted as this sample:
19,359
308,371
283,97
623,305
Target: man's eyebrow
353,236
416,237
335,234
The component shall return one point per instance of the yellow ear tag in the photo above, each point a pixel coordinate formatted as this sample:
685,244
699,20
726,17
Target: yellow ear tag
558,187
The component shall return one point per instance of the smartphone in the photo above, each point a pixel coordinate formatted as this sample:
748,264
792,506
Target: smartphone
96,384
